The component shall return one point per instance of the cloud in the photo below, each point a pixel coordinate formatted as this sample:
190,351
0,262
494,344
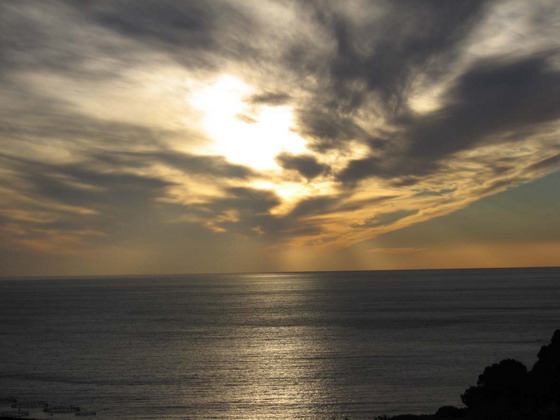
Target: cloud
270,98
379,51
396,251
195,33
547,163
306,165
328,129
240,209
385,219
402,38
88,187
58,38
211,166
493,97
314,206
61,208
404,111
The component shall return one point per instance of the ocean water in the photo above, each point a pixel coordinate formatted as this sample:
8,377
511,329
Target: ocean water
308,345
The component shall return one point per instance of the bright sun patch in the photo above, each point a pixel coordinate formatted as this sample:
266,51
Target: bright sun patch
242,133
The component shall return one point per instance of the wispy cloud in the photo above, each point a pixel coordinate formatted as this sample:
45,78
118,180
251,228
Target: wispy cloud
395,251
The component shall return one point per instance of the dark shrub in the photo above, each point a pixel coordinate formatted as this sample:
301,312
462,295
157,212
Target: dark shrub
501,387
545,375
449,412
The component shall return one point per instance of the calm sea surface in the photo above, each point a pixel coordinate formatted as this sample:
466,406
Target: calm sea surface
268,346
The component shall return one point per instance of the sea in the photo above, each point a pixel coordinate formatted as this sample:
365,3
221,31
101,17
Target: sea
308,345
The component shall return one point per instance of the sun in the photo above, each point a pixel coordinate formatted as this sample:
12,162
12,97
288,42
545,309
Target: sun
244,133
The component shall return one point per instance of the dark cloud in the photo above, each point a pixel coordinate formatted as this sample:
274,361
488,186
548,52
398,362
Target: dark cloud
491,97
436,193
78,130
548,163
269,98
385,219
240,209
328,129
363,168
378,59
213,166
186,23
314,206
196,33
256,201
497,186
394,167
301,219
410,35
247,211
104,193
25,42
306,165
207,165
359,204
57,38
60,206
494,96
78,185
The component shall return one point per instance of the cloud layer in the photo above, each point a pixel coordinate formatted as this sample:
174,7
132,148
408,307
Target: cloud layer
273,124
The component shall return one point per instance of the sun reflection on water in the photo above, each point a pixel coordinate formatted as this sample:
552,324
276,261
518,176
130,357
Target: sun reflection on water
278,371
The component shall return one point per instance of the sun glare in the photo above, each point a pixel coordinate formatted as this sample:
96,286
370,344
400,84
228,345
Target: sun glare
241,132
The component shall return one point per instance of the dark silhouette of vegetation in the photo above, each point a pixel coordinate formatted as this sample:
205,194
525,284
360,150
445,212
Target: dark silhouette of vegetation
508,391
502,389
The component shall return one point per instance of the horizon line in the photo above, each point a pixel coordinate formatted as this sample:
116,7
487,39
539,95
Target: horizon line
89,276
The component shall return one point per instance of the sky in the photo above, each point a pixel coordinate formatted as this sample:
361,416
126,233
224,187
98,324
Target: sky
167,136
